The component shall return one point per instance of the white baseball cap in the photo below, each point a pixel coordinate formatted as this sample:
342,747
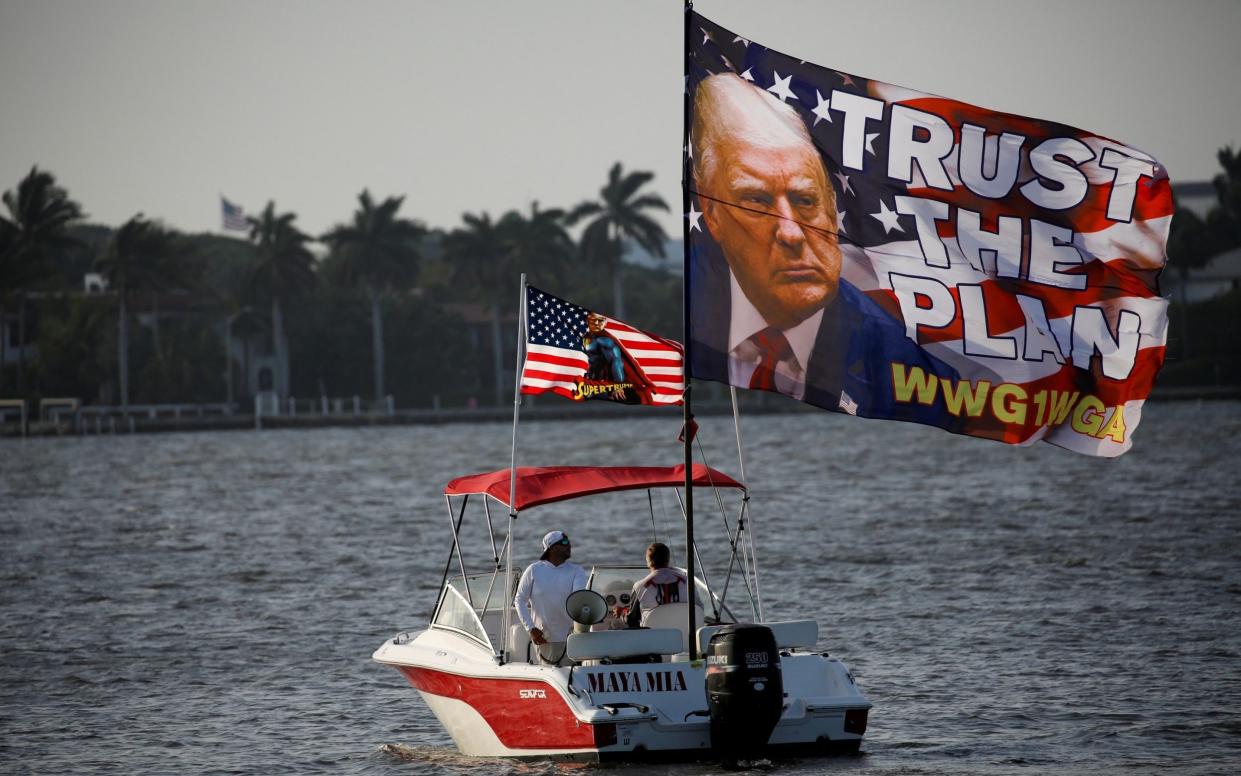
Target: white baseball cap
553,537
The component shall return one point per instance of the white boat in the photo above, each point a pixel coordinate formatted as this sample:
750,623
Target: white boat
475,668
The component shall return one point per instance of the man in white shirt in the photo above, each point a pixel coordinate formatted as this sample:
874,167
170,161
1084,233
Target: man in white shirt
541,594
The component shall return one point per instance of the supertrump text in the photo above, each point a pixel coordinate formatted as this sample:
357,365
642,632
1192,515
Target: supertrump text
1011,403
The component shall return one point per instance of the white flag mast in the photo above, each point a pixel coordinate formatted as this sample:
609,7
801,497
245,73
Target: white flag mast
512,479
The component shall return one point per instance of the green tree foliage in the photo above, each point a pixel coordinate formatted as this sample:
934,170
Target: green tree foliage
489,256
186,366
620,215
482,262
377,252
140,258
538,242
1190,245
283,268
655,301
75,261
421,285
74,340
34,230
1225,218
227,263
1215,357
429,349
1211,354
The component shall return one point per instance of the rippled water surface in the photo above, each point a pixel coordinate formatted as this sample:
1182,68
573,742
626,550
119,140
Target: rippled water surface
208,603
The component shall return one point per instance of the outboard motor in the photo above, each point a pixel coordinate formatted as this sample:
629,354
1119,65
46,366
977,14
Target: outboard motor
745,688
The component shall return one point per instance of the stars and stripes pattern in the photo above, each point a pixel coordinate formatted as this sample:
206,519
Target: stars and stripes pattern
556,361
1121,260
233,217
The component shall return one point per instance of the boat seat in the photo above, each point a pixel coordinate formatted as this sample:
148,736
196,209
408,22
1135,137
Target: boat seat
519,645
597,645
789,634
671,616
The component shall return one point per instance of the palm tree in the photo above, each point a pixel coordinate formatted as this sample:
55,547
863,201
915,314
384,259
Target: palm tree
1225,217
39,212
179,266
1193,241
134,261
1190,245
244,323
620,214
8,271
9,237
481,259
488,255
538,241
283,267
379,252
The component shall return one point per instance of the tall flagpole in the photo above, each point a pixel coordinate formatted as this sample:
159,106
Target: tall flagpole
745,504
521,341
512,475
687,412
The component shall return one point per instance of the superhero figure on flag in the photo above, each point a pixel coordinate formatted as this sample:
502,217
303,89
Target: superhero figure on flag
607,361
611,372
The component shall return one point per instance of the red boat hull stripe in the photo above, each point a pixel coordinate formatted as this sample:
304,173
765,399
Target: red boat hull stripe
523,714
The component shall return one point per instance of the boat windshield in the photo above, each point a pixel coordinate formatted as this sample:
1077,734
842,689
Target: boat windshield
454,613
473,606
486,590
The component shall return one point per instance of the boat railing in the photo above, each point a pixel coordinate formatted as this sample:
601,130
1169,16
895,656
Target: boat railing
790,634
612,644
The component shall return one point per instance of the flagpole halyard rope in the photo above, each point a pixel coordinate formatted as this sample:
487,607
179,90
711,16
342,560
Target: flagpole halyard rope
745,502
687,412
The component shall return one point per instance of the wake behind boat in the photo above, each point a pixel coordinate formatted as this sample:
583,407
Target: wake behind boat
761,686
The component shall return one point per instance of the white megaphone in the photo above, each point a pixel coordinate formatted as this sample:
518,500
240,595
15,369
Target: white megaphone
585,607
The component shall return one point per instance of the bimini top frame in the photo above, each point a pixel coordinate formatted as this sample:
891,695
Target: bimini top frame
536,486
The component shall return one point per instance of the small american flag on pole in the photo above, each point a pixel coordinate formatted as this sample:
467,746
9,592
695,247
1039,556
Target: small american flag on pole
583,355
233,216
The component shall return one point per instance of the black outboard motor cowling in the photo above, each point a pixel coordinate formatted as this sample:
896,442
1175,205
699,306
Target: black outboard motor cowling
745,688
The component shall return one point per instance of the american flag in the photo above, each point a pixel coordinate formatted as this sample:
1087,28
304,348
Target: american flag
233,216
556,355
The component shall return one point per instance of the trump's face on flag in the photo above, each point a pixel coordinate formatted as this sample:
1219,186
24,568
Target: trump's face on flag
765,199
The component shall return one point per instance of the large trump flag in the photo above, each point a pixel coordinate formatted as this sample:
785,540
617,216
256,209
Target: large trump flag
886,253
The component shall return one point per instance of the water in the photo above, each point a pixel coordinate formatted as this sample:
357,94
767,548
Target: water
208,603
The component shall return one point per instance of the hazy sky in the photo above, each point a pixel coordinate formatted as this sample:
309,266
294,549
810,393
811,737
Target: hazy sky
160,107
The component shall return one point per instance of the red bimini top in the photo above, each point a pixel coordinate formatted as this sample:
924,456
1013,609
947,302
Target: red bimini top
547,484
